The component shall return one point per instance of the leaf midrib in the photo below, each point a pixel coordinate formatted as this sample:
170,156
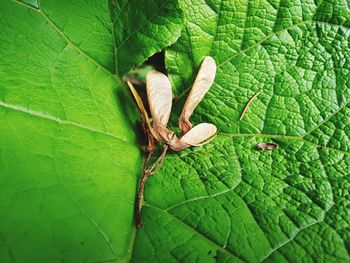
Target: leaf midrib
45,116
273,136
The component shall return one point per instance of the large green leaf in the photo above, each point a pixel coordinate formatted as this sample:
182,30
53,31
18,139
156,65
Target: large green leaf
227,201
69,158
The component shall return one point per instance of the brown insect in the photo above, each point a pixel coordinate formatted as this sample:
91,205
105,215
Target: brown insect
266,146
160,97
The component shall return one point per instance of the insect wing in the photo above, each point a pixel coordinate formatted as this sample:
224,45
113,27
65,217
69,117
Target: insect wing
159,97
201,85
199,134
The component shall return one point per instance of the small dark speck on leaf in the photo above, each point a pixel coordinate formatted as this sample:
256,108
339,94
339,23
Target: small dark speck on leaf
266,146
209,252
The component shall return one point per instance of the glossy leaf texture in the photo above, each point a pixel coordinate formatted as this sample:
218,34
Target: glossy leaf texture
228,201
69,155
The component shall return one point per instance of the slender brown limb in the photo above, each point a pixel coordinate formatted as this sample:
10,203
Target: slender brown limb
247,105
161,160
149,155
143,111
151,148
141,189
139,199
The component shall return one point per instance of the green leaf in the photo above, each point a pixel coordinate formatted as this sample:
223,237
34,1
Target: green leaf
143,31
227,201
69,156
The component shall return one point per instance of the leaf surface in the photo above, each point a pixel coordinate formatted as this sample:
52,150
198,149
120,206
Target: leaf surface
227,201
69,156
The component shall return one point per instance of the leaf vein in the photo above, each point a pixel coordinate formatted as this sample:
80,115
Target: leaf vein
213,242
61,33
49,117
